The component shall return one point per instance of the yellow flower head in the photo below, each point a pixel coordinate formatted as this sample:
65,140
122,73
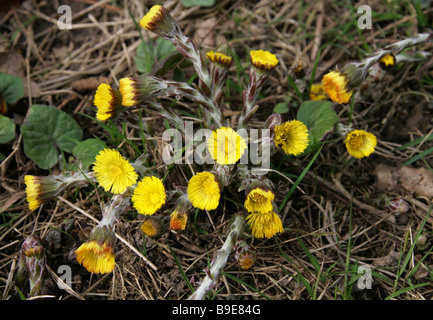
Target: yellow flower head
154,226
387,61
226,146
107,100
204,191
219,58
318,92
360,143
292,137
40,189
159,20
149,195
263,60
259,200
150,19
128,90
96,254
178,220
337,86
113,172
265,225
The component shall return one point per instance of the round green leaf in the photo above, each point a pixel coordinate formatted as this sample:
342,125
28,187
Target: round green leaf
319,117
87,150
7,129
11,87
46,131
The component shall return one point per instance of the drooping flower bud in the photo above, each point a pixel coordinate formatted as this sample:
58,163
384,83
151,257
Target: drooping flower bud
31,264
154,226
245,255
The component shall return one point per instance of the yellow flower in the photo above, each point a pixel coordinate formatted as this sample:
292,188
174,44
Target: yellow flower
318,92
292,137
178,220
159,20
337,86
387,61
264,225
128,90
259,200
96,254
95,257
113,172
154,226
151,18
219,58
263,59
360,143
107,101
40,189
149,195
226,146
204,191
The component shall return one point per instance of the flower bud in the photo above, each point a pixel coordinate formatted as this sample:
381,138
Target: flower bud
32,265
179,217
387,61
273,120
244,255
154,226
398,206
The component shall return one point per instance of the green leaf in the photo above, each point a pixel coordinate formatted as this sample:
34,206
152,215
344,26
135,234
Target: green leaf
320,118
87,150
281,107
46,131
7,129
200,3
146,54
11,87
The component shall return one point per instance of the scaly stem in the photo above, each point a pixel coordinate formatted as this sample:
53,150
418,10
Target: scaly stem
212,275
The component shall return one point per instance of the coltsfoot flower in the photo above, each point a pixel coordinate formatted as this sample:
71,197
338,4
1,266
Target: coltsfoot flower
159,20
97,253
154,226
259,200
108,102
263,60
226,146
149,195
337,86
138,90
113,171
387,61
32,265
220,59
264,225
244,255
178,219
40,189
292,137
318,92
360,143
204,191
